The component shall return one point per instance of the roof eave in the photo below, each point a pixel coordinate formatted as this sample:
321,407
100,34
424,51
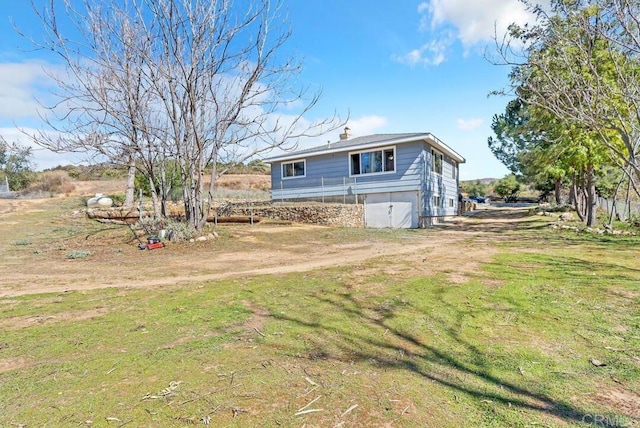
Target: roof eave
421,137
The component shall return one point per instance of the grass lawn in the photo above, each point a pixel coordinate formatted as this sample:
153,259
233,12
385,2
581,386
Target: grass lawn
544,333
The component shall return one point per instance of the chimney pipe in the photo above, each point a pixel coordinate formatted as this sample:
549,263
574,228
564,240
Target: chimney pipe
346,134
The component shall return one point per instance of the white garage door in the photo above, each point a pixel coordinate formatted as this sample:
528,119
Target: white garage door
395,210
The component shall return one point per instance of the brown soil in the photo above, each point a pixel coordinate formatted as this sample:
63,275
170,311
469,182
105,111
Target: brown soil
455,249
28,321
9,364
619,399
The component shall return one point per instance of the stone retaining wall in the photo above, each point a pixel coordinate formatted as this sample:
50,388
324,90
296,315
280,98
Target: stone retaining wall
339,215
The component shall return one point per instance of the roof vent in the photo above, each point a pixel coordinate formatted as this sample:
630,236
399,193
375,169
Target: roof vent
347,133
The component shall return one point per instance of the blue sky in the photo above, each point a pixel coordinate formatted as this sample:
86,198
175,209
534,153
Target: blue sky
403,66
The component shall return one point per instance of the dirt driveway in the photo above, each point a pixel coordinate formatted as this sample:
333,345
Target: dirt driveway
36,251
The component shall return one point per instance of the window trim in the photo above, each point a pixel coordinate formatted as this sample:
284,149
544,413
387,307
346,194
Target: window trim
434,152
282,176
371,150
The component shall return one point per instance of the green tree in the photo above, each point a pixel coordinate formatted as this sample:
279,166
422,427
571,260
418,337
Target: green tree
580,63
473,187
16,165
259,166
511,136
573,81
166,182
508,188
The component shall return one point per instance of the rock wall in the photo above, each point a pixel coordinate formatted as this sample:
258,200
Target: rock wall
339,215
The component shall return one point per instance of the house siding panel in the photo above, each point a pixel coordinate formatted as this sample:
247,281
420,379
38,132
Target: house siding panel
328,175
442,185
330,170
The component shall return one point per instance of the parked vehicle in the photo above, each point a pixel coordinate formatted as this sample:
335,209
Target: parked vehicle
478,199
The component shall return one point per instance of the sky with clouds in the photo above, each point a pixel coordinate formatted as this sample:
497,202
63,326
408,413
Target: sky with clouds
393,67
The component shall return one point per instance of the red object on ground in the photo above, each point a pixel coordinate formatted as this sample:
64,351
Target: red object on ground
154,245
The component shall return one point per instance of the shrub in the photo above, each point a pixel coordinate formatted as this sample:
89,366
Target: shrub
57,181
79,254
180,231
175,230
118,199
508,188
634,221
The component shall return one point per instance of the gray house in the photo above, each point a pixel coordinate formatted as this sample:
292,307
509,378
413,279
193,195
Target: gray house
403,180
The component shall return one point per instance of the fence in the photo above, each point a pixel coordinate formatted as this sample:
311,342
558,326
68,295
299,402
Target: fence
342,190
622,210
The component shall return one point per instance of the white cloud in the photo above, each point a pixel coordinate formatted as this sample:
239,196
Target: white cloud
469,124
423,10
476,21
366,125
432,53
42,158
20,85
472,23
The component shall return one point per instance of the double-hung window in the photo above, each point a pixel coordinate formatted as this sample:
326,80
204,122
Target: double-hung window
373,162
294,169
436,162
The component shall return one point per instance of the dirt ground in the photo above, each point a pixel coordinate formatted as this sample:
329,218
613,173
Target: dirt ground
34,253
455,249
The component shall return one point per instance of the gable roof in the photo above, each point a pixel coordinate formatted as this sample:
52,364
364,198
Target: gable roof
369,141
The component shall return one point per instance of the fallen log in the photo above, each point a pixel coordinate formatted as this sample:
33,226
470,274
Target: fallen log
132,216
234,219
126,216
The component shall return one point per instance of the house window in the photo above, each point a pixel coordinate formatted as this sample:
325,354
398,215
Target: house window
454,170
294,169
436,200
373,162
436,162
451,203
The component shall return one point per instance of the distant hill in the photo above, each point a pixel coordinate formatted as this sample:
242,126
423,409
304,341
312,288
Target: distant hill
483,181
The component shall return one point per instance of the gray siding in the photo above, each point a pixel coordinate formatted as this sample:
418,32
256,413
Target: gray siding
443,185
328,175
332,170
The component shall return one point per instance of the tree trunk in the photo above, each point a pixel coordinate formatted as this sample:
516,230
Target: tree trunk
129,194
203,205
558,193
154,198
165,186
213,176
591,197
575,197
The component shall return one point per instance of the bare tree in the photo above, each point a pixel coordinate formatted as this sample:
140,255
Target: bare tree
201,82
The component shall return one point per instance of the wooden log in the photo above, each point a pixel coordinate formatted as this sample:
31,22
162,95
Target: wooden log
126,216
234,219
114,214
